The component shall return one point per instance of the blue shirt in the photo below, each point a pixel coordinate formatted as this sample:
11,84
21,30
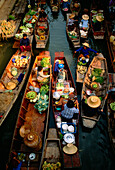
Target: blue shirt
24,42
85,23
65,4
85,52
69,112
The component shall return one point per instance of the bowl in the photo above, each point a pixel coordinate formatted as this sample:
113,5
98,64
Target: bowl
64,127
71,128
71,89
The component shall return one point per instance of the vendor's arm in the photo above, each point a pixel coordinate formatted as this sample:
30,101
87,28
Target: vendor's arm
44,76
89,49
28,41
21,42
79,49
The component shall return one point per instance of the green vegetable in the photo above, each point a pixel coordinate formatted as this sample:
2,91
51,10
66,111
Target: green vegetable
99,79
112,106
41,105
31,95
94,85
29,25
45,62
44,89
31,12
11,17
96,72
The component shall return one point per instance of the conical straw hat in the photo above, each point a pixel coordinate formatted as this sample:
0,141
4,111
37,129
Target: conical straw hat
85,17
94,101
70,149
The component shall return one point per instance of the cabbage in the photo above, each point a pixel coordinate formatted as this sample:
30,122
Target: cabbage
22,27
26,30
28,25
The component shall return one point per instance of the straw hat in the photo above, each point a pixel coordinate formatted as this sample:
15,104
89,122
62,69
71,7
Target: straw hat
76,5
70,148
86,44
71,16
99,18
65,0
94,101
24,130
85,17
11,85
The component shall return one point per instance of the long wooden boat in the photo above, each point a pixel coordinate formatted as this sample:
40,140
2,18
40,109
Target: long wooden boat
74,35
31,127
16,14
97,34
12,81
75,7
111,110
55,6
28,24
69,161
52,155
111,48
95,84
41,33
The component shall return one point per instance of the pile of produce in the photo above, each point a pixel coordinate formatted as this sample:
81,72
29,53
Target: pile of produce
19,61
51,166
31,95
97,75
7,28
44,89
81,69
112,106
45,62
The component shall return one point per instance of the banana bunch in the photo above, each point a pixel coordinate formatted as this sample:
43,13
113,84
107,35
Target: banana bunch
81,69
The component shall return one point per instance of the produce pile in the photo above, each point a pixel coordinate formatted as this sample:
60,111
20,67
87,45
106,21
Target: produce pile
28,23
81,69
51,166
7,28
97,75
20,61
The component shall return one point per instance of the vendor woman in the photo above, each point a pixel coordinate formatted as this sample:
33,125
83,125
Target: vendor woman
25,44
85,50
69,111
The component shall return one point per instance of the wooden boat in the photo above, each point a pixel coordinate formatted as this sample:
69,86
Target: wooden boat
111,113
69,161
28,23
12,81
52,156
41,33
17,13
73,35
31,127
98,33
111,48
55,6
93,85
75,7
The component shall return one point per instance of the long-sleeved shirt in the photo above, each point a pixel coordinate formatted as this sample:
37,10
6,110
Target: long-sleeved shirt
24,42
69,112
85,23
65,4
85,52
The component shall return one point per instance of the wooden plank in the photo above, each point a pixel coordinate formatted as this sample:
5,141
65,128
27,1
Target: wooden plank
52,133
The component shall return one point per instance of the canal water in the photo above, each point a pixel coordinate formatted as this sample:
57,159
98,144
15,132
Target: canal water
94,147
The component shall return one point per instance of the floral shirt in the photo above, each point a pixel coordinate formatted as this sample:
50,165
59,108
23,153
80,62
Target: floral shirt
69,112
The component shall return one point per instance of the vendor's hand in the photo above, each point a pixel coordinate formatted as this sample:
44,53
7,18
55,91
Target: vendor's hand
23,46
97,53
75,52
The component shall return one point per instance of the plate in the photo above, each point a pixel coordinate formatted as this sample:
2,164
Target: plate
69,138
32,156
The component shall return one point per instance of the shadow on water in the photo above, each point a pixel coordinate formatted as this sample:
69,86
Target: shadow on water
95,150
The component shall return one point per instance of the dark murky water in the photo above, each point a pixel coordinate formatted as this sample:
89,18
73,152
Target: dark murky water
94,146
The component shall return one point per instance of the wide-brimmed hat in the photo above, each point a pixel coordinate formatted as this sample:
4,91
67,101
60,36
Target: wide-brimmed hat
70,149
11,85
24,130
99,18
76,5
61,66
85,44
71,16
65,0
85,17
94,101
